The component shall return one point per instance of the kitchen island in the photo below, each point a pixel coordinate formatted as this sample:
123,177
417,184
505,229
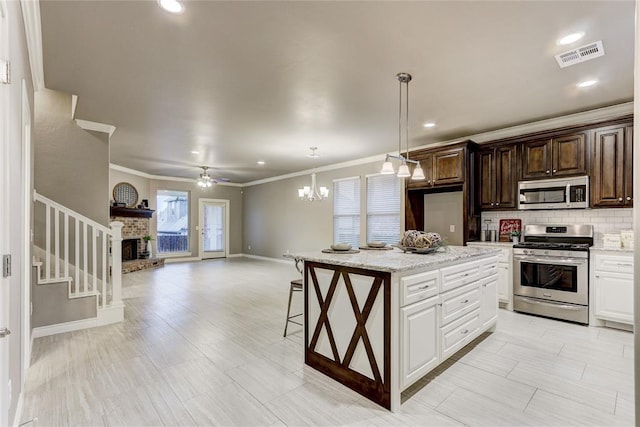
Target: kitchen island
379,320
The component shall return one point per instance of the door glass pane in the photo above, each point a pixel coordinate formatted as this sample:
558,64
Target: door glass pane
213,228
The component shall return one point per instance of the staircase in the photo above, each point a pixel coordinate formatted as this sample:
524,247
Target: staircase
78,270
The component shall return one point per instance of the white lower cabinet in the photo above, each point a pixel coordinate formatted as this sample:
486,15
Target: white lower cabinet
505,280
419,325
489,303
612,287
433,327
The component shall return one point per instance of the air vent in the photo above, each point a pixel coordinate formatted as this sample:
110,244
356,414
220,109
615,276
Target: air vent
581,54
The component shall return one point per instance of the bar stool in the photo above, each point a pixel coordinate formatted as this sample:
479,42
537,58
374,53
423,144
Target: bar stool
296,286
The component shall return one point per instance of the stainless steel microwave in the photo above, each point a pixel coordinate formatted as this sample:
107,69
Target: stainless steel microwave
560,193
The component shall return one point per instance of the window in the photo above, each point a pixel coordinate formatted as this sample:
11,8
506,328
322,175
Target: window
346,211
383,208
173,221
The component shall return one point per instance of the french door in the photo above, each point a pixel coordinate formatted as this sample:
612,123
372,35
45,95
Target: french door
214,228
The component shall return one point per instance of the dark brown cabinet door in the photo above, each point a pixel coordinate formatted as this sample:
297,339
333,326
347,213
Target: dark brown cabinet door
426,162
448,166
608,185
628,167
486,190
536,159
506,182
497,167
568,154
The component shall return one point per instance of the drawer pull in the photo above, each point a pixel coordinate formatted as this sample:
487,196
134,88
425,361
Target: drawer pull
465,274
546,295
624,265
423,287
464,301
464,332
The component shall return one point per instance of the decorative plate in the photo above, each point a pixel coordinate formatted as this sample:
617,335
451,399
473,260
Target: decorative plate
126,193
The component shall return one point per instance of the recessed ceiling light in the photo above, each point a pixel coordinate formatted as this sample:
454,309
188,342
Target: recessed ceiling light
587,83
571,38
429,125
260,162
173,6
195,152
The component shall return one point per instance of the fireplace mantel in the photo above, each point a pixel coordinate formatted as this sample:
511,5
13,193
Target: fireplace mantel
131,212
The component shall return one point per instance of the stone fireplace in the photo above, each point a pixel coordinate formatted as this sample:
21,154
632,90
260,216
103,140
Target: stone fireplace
136,226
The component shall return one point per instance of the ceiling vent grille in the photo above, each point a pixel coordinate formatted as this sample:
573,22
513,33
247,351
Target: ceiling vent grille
581,54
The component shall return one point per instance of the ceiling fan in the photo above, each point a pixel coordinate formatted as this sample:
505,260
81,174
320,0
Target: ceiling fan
205,179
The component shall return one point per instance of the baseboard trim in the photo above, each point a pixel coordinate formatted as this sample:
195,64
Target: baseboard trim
106,316
265,258
185,259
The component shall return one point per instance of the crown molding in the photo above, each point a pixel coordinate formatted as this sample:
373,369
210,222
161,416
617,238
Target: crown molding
96,127
33,32
164,178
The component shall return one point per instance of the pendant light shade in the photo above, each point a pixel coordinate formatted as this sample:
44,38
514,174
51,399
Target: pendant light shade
403,171
387,168
418,173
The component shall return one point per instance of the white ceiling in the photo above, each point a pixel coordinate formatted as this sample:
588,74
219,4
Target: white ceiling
242,81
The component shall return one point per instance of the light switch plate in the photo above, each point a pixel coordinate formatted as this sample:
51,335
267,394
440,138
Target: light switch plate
452,228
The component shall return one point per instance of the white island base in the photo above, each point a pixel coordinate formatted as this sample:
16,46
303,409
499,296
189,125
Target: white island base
378,321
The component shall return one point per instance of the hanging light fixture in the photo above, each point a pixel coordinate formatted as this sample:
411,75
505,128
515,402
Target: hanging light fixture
403,170
313,192
205,179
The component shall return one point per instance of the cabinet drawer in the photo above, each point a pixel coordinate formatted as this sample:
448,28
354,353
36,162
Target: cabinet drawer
459,333
614,264
488,267
459,275
459,302
418,287
504,255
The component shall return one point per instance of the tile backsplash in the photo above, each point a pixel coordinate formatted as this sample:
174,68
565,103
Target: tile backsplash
604,221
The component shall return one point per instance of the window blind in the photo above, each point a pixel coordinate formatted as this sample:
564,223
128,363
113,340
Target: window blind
346,211
383,208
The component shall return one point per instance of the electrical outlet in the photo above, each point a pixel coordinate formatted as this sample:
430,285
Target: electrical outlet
6,265
249,247
452,228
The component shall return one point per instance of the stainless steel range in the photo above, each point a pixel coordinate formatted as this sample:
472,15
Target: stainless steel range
551,271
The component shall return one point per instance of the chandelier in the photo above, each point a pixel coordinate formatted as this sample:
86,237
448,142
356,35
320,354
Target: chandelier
403,169
205,179
313,193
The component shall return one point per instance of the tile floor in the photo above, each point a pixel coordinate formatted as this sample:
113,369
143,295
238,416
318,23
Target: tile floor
202,344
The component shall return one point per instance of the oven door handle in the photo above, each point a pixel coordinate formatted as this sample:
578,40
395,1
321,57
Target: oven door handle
564,306
565,261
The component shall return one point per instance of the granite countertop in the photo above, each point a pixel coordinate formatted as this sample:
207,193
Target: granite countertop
600,248
395,260
505,244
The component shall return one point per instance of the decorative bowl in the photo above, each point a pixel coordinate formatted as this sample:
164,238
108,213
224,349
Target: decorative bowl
341,247
376,244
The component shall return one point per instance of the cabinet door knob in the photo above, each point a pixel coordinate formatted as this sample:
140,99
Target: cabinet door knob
548,171
497,203
628,198
491,203
554,171
620,200
597,276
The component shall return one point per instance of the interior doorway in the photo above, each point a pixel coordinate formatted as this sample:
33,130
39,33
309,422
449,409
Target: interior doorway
214,228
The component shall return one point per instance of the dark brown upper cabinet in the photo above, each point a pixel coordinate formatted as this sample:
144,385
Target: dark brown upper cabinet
612,177
554,157
441,167
498,182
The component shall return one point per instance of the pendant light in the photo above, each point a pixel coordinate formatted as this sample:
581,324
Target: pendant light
403,170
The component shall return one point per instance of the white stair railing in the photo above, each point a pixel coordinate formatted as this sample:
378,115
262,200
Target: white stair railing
79,250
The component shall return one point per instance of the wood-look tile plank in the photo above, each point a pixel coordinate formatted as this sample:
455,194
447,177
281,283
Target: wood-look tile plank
265,380
194,378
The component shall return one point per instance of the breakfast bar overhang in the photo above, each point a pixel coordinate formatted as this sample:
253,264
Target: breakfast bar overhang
377,321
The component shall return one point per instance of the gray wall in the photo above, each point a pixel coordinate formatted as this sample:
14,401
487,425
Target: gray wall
71,164
275,220
224,192
19,281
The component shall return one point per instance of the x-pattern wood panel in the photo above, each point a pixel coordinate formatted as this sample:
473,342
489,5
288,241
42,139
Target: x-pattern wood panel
377,389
